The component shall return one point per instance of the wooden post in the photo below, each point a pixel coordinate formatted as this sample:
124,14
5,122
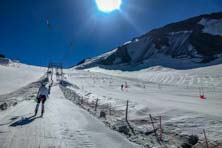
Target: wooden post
154,130
205,136
126,118
161,128
96,104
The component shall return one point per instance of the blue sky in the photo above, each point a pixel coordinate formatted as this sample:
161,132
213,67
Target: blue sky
79,30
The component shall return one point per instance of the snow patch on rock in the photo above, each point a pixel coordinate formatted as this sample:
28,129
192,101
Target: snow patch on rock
212,26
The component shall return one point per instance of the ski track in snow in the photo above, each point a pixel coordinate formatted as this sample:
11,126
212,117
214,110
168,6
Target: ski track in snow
64,125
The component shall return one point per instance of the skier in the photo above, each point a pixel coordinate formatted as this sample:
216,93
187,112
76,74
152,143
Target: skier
122,87
126,85
41,97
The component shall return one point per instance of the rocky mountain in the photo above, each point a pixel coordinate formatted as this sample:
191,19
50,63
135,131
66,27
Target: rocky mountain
190,43
2,56
4,61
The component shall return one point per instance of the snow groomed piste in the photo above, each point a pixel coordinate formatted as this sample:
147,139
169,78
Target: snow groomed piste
64,125
184,116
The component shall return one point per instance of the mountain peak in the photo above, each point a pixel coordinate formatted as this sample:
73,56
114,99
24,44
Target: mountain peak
192,43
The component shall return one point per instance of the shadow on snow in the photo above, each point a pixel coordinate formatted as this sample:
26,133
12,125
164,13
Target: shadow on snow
23,121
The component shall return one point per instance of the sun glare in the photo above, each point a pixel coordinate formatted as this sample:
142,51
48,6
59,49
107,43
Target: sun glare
108,5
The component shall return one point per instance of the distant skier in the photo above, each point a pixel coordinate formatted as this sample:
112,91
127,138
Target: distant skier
126,85
41,97
122,86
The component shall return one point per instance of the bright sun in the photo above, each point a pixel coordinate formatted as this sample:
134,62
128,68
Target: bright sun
108,5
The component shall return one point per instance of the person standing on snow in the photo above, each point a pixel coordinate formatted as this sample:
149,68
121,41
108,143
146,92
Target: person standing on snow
126,85
41,97
122,87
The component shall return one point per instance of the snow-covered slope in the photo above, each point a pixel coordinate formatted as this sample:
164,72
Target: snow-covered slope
199,77
64,125
195,42
173,94
16,75
179,84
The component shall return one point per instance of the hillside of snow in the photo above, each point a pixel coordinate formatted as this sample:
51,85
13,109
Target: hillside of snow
17,75
199,77
64,124
160,91
179,84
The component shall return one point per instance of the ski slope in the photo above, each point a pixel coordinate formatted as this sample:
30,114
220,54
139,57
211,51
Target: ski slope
165,88
64,125
173,94
15,76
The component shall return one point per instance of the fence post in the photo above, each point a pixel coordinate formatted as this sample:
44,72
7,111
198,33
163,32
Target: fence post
126,118
205,136
96,104
161,130
154,130
126,115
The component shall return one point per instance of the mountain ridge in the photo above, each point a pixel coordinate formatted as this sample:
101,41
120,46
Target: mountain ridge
197,40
